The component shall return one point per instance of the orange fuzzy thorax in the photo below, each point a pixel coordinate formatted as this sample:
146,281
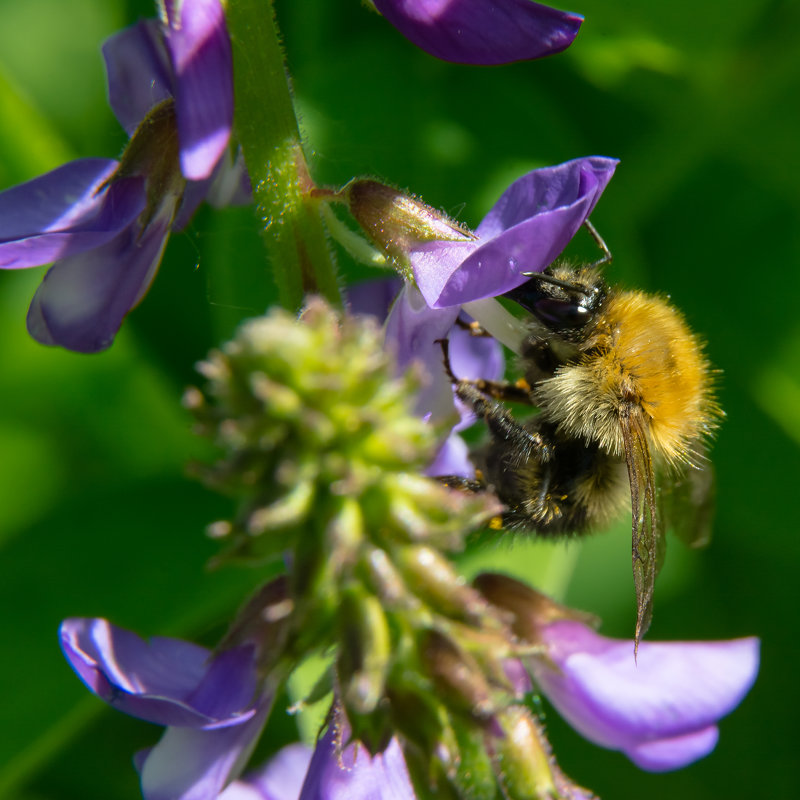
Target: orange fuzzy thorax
641,354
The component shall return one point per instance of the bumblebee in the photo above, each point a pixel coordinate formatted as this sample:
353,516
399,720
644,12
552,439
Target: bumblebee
624,392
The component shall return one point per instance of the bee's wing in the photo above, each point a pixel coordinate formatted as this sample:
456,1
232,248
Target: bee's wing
647,539
686,504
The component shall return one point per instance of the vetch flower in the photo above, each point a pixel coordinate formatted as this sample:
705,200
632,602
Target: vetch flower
355,775
281,778
471,357
212,705
105,223
660,709
525,231
482,31
298,773
185,55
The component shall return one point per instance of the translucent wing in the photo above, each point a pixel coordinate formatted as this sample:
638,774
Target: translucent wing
647,542
686,504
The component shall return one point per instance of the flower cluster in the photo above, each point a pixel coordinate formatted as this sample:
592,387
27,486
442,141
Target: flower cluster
105,223
329,424
662,713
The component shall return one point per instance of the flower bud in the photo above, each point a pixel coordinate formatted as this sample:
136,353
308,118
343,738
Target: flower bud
265,620
364,651
523,757
396,221
457,676
437,583
524,761
529,610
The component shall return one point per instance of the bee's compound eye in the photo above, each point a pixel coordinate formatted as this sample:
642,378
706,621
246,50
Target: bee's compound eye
558,314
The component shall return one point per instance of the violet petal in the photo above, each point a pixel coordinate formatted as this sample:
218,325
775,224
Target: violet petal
452,458
673,694
200,47
280,779
65,212
374,297
481,32
138,72
412,329
83,299
356,776
166,681
528,227
663,755
189,764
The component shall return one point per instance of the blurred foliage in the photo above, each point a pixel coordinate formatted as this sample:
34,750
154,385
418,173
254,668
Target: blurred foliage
698,100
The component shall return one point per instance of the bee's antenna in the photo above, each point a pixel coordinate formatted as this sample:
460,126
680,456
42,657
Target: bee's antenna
607,257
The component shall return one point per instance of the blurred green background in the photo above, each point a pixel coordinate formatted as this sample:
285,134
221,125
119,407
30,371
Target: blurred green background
699,100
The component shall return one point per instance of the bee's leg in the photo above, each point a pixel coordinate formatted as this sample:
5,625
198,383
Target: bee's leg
607,257
517,392
469,485
502,425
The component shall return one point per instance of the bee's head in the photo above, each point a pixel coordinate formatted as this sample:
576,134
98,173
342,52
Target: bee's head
563,298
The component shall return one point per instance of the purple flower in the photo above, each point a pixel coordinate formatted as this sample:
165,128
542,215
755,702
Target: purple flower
295,774
412,329
355,775
281,778
482,31
188,57
211,704
660,710
104,223
527,228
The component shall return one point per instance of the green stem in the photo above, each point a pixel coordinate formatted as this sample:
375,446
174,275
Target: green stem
266,126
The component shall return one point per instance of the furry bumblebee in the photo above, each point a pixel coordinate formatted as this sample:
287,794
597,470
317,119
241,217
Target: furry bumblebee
623,391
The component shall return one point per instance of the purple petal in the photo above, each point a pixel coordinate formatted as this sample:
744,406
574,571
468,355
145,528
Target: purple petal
412,329
190,764
663,755
200,48
280,779
528,227
355,775
473,357
661,710
138,71
452,459
476,356
374,297
166,681
435,263
83,299
65,212
481,32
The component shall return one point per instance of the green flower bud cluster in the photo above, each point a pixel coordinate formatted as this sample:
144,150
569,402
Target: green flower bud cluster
325,456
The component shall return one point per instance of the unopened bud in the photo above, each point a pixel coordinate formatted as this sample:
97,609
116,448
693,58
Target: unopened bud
523,757
437,583
396,222
529,610
365,651
265,620
458,676
524,761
